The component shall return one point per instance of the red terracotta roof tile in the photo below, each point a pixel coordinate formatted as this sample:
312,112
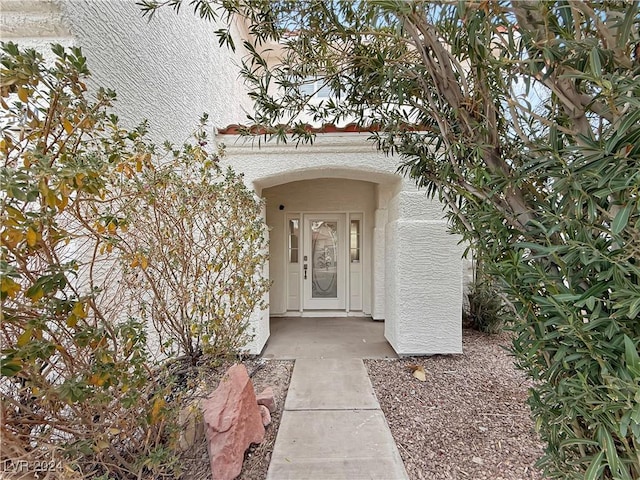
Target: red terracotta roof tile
235,129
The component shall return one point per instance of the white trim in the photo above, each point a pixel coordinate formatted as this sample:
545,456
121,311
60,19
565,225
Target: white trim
287,265
356,215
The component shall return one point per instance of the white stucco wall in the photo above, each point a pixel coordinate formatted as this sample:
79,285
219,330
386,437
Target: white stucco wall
34,24
167,70
416,270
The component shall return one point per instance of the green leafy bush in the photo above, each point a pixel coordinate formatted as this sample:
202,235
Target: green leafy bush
484,309
575,282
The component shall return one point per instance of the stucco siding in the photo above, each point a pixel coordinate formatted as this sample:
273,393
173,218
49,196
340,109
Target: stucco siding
167,70
428,319
379,258
331,156
392,288
34,24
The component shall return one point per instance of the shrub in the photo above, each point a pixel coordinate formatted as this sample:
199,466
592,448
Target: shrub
76,387
194,251
100,235
484,309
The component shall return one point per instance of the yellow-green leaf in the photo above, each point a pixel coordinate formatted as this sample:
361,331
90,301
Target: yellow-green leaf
101,445
156,411
10,368
32,237
51,199
9,287
72,320
23,94
35,294
79,179
62,203
79,311
24,338
67,126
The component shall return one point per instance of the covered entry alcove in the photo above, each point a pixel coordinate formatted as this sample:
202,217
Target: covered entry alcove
321,238
375,245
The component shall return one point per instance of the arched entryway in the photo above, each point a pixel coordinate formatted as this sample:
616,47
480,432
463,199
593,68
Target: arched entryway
323,242
410,269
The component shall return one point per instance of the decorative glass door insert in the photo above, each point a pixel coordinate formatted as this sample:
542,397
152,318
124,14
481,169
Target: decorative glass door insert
323,262
324,259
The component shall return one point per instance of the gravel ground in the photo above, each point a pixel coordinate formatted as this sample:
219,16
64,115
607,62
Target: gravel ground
468,420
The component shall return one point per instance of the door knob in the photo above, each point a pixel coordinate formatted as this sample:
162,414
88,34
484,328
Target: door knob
305,271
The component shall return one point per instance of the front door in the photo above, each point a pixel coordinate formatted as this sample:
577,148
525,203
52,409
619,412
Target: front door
324,262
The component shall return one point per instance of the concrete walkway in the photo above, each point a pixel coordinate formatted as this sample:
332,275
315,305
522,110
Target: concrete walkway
332,426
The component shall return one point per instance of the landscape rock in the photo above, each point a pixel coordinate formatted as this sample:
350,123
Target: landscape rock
232,422
266,415
268,399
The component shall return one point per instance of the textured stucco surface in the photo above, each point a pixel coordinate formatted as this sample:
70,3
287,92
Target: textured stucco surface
378,278
416,271
34,24
168,70
425,279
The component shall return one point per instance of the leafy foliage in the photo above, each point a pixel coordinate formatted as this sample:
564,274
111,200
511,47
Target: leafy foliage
75,382
524,119
87,207
196,253
484,309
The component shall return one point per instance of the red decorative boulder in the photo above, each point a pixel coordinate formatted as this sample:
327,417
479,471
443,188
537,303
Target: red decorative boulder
266,415
232,422
268,399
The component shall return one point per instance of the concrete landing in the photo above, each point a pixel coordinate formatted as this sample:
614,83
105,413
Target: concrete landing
293,338
332,427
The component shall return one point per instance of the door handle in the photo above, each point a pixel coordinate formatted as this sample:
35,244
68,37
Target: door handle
305,271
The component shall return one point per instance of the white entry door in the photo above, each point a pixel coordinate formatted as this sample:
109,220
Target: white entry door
324,262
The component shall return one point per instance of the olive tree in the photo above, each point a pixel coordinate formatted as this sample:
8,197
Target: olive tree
524,119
